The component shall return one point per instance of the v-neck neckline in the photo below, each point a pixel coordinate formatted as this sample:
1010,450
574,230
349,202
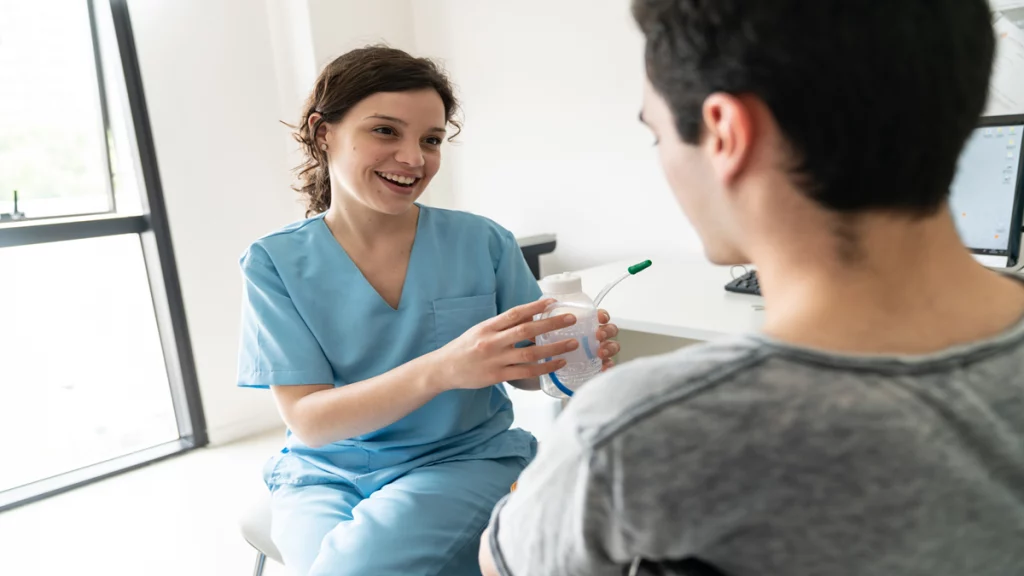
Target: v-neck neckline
362,276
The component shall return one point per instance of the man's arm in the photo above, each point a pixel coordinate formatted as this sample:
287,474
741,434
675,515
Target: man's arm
487,566
558,519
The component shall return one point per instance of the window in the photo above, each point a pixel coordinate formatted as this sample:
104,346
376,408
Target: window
96,372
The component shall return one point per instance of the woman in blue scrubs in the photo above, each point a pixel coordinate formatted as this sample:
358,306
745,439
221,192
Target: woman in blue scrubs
384,329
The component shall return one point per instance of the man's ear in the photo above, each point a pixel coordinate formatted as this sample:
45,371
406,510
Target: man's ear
729,134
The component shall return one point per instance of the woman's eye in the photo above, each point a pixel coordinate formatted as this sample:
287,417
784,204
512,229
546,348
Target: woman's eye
433,141
385,130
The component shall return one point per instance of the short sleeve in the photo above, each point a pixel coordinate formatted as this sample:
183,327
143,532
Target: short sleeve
277,347
515,282
560,518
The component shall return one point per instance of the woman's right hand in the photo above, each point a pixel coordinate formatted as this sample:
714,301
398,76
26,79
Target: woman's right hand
486,354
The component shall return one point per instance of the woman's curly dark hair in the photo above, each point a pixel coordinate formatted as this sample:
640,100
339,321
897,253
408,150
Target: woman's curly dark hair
345,82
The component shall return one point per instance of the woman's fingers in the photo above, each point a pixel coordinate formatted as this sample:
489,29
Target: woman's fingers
530,330
607,331
534,353
517,325
524,371
518,315
609,349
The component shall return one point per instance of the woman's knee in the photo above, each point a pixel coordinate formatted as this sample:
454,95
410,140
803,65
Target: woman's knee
301,518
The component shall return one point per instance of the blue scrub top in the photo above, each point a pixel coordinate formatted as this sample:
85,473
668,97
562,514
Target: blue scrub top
309,316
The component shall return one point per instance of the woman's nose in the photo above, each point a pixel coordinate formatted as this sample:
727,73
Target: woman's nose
410,154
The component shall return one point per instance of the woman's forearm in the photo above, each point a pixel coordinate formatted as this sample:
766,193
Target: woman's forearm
329,415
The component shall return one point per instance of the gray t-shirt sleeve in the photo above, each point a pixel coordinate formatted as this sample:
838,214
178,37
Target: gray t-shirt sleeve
619,477
558,521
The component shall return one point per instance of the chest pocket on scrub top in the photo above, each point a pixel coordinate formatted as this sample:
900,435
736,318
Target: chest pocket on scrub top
453,316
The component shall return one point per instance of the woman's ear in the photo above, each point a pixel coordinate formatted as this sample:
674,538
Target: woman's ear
320,137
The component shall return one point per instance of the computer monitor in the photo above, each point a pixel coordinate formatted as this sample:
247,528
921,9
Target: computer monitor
986,194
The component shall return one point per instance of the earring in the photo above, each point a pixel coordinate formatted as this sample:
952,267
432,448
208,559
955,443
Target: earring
323,147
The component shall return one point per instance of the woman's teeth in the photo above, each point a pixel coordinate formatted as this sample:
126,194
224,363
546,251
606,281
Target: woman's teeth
397,179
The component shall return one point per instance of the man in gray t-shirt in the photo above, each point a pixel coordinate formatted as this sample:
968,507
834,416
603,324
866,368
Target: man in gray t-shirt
876,426
760,458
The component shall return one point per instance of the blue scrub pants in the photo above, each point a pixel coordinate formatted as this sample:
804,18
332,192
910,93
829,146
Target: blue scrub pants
426,521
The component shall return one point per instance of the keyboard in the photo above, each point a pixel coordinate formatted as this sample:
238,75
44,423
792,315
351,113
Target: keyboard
746,284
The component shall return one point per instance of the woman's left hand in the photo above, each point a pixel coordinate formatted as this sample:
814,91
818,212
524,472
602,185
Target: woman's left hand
607,330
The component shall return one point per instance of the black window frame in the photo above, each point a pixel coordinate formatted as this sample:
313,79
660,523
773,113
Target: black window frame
154,235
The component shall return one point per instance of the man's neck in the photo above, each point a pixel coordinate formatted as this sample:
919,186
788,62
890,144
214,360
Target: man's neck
906,286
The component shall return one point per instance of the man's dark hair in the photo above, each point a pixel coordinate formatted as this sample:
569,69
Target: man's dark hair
875,97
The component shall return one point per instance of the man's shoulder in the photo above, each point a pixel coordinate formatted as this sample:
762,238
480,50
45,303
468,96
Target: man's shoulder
642,389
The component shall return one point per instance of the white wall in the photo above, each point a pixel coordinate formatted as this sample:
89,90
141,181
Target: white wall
552,92
209,77
341,25
291,41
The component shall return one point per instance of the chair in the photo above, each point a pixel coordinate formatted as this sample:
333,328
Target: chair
533,247
255,525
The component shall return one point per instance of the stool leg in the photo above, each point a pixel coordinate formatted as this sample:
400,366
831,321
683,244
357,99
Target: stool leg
261,560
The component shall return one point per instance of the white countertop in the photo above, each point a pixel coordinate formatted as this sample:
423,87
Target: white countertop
680,295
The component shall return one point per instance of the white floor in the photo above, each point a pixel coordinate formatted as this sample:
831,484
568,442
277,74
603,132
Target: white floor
174,518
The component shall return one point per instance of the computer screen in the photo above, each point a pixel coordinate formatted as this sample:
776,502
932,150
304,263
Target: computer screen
985,196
